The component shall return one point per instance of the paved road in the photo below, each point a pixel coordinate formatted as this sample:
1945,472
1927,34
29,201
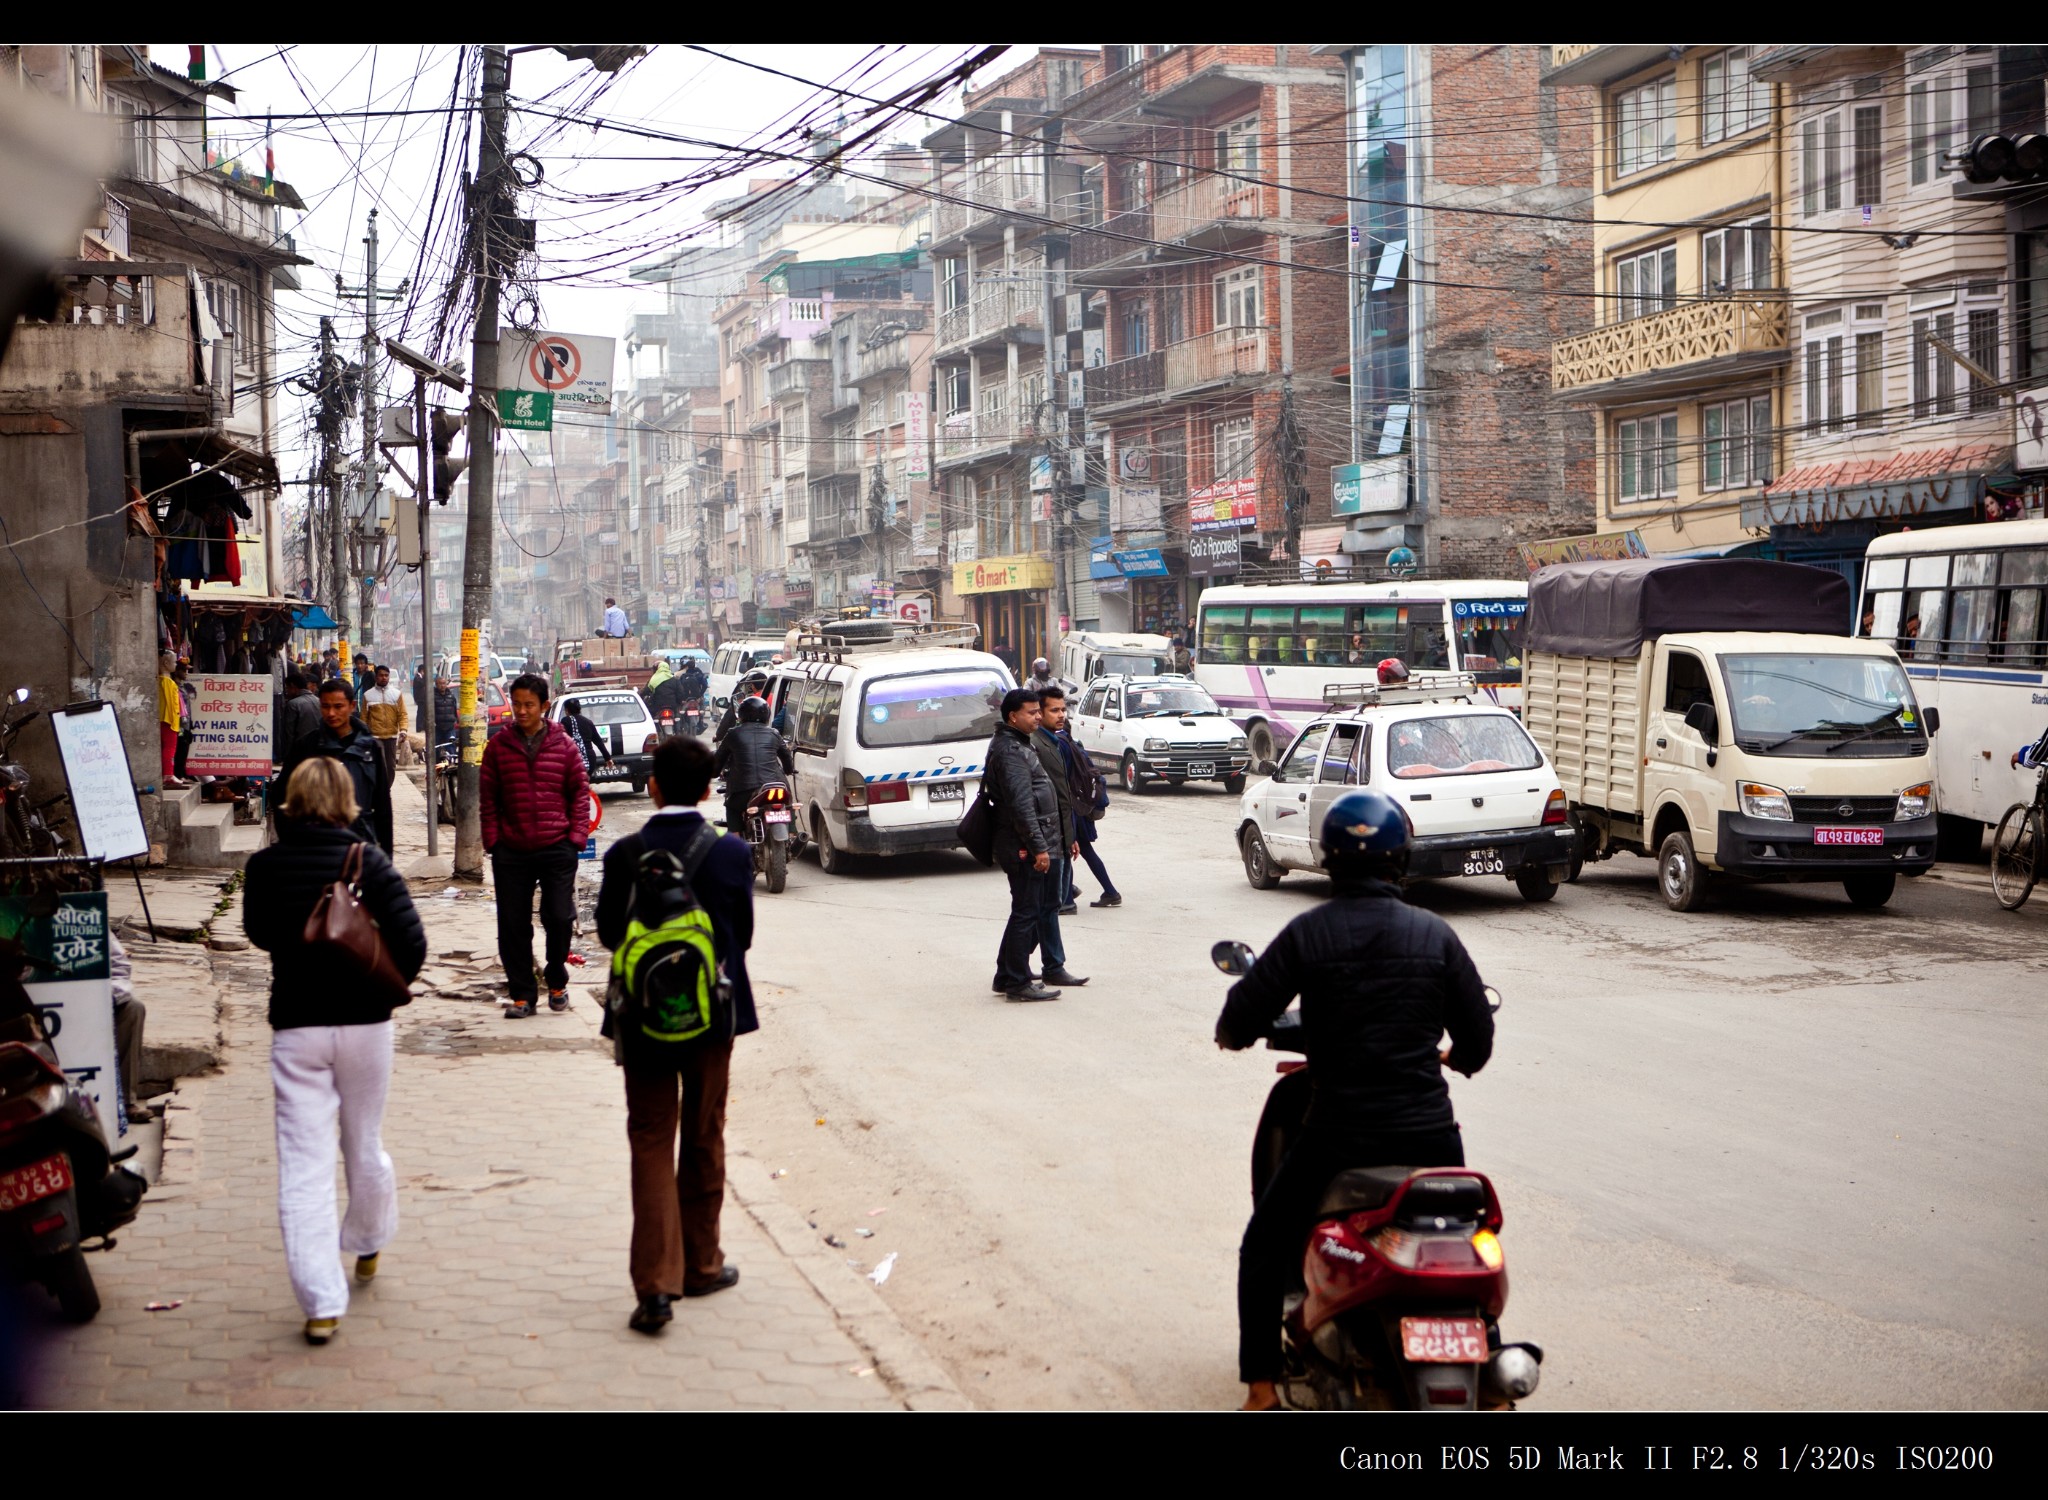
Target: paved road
1782,1153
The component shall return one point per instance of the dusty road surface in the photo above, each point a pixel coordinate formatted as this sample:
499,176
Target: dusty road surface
1781,1153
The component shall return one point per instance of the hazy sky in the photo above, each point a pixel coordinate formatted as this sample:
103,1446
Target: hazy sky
356,160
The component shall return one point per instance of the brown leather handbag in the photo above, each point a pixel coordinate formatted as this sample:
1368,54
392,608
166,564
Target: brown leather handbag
342,928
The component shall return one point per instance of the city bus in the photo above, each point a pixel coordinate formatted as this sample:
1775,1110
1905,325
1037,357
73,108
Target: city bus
1964,607
1266,652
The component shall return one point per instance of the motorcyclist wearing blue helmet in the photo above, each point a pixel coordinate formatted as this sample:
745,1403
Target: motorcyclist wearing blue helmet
1380,983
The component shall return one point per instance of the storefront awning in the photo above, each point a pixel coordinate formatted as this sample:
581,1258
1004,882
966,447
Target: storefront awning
1925,481
314,617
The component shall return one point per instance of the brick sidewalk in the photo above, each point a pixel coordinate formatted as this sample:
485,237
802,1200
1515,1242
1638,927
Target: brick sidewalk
506,1286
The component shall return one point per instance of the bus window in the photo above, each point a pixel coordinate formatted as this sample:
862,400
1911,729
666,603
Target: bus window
1885,573
1973,608
1381,630
2022,639
1881,613
1322,635
1271,637
1429,649
1923,622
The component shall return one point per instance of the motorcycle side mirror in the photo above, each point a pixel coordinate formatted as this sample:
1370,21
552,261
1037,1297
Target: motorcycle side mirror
1232,957
1492,997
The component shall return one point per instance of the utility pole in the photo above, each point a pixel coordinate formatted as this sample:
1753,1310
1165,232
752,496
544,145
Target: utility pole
485,213
367,487
331,397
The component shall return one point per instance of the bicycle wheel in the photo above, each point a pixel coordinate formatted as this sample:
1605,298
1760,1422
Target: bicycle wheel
2016,855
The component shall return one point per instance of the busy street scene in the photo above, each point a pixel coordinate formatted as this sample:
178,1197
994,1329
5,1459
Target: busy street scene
1180,728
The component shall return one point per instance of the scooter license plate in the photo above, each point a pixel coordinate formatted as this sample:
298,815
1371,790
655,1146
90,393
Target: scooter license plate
1444,1341
42,1179
946,791
1849,836
1485,862
777,817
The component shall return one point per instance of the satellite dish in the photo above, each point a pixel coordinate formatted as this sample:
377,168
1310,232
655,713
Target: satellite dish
1401,561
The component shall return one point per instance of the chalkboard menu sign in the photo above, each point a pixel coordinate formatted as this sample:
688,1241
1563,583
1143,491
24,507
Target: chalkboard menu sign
102,791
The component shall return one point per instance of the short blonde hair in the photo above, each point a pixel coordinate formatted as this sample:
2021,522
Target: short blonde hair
321,790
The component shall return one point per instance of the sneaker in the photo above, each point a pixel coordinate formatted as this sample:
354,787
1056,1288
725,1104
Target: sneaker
320,1330
1111,900
519,1010
1033,991
558,1000
366,1266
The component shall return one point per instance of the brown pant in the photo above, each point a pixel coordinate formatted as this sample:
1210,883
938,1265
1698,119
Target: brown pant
676,1200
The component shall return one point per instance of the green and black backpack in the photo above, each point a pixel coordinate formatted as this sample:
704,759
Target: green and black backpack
666,981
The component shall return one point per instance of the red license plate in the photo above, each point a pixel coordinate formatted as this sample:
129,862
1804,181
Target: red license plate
43,1179
1444,1341
1848,836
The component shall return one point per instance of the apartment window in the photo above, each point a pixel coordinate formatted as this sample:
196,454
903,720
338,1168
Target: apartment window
2031,336
1646,126
1237,298
1730,100
1736,258
1735,443
1820,163
873,414
1646,282
1131,185
1980,323
1132,326
1173,319
1826,370
959,391
953,282
1866,169
1646,456
1236,457
1950,99
1934,373
1237,147
1869,347
138,144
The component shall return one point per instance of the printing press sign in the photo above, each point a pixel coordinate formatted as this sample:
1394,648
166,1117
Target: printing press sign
574,368
230,726
70,981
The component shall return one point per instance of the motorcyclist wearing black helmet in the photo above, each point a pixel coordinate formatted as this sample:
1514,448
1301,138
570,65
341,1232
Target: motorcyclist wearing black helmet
753,685
1380,983
750,756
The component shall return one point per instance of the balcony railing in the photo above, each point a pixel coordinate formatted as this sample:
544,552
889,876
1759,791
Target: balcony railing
1011,299
885,358
1201,200
1009,182
966,433
792,377
1683,335
1216,356
1123,379
1121,234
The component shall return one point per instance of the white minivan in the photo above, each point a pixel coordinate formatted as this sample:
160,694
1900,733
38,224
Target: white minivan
734,659
888,741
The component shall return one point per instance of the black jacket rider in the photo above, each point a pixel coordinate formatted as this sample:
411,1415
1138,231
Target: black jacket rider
1380,982
748,757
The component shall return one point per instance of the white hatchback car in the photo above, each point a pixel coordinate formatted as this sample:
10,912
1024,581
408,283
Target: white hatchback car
627,727
1481,796
1165,728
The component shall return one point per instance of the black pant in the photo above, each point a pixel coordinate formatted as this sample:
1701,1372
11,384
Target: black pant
387,772
517,872
1020,935
1269,1259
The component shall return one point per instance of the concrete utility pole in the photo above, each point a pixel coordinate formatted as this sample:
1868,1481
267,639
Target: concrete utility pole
367,484
483,426
330,477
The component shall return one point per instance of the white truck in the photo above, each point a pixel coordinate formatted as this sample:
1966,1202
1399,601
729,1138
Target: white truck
1716,716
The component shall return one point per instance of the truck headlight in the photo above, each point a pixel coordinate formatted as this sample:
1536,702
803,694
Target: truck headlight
1760,801
1156,746
1239,742
1916,801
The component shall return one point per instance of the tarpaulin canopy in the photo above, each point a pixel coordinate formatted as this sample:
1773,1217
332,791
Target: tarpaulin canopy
1610,608
314,617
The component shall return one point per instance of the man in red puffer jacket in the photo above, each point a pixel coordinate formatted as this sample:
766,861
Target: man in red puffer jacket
535,810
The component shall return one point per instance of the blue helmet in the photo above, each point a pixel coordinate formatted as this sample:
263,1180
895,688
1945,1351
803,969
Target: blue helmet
1365,824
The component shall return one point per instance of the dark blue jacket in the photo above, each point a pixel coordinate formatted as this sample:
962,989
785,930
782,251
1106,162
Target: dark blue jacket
724,886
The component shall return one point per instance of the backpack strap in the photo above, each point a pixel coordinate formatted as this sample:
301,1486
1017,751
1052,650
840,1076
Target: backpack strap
698,849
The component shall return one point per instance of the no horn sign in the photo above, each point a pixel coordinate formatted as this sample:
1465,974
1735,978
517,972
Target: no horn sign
575,369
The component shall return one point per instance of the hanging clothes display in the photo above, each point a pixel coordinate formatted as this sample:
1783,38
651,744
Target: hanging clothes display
185,559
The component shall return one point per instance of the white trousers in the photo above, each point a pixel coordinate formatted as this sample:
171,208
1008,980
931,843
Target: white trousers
319,1073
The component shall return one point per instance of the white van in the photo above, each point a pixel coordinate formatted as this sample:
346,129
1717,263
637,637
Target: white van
888,740
1088,654
734,659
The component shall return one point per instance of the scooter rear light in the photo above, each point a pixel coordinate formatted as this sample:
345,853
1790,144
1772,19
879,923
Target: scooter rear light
1394,1246
888,791
1486,1244
44,1226
1553,810
1448,1395
1448,1253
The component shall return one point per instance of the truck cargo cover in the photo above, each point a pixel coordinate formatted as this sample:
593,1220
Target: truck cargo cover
1610,608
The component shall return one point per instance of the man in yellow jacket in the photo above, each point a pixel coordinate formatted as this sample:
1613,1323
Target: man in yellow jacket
170,719
383,709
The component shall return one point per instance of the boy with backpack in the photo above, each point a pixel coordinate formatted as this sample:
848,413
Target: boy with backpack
677,910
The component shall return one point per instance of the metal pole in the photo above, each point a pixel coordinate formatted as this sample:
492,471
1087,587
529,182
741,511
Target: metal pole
368,488
483,415
420,507
337,558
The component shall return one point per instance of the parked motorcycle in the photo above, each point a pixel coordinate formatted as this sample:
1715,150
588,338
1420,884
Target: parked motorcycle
447,766
1403,1276
23,831
771,823
60,1185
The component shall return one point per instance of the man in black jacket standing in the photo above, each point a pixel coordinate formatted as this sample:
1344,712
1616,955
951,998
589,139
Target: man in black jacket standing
1027,838
1380,981
1052,720
344,737
673,1087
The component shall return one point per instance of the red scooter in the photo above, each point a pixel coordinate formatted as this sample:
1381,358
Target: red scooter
1403,1276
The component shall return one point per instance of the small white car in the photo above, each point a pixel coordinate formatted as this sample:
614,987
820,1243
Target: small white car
1481,796
626,725
1161,728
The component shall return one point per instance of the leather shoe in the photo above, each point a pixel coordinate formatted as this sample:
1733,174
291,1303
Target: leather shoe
1108,901
1033,991
1062,977
1068,910
728,1277
652,1315
1003,989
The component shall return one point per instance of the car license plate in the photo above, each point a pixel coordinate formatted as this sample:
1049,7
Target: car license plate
1444,1341
42,1179
1202,768
777,817
1485,862
1848,836
947,791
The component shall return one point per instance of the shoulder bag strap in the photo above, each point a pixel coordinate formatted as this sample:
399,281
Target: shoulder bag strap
352,870
698,850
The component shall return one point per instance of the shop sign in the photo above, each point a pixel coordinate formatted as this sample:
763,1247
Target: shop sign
1140,562
1599,547
1215,553
1101,564
1041,473
230,726
1001,575
1227,505
2030,411
1377,485
1137,507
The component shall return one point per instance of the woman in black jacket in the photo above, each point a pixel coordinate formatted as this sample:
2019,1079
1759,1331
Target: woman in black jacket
330,1051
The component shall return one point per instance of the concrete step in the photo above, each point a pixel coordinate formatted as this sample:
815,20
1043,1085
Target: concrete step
204,835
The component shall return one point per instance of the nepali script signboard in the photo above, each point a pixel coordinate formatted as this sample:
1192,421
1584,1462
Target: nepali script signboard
230,726
70,980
